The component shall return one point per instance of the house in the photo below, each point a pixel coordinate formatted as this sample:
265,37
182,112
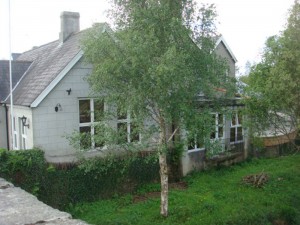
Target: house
49,92
229,132
52,98
18,69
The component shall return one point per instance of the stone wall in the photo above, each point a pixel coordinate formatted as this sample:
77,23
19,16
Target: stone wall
18,207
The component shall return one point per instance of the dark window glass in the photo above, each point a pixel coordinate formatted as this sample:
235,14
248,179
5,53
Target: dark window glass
240,118
98,137
233,120
232,134
194,143
121,114
239,133
122,132
98,110
85,137
134,133
84,111
220,132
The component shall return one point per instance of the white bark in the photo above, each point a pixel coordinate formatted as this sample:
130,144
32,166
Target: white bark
164,183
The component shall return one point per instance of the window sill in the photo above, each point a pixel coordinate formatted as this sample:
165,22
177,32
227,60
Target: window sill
196,150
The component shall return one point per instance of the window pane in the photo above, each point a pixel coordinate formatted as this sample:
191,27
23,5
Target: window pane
98,110
232,134
220,119
213,133
134,133
14,124
98,137
84,111
122,132
239,133
16,141
121,114
240,118
220,132
200,144
233,120
191,144
85,137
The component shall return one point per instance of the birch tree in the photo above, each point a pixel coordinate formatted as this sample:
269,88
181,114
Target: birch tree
155,63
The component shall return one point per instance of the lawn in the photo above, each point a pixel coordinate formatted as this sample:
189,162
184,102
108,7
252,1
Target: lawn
216,196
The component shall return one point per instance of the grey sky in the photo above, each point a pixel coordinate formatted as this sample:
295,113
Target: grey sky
245,24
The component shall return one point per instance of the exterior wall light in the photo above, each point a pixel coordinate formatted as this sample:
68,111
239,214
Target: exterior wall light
23,118
69,91
58,107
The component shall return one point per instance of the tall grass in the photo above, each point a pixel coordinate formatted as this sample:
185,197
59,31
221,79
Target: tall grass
213,197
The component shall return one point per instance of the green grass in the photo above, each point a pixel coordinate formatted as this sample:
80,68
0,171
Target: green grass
213,197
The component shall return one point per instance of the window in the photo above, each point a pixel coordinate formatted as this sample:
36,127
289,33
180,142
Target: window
218,120
236,130
195,144
126,128
15,137
23,135
90,114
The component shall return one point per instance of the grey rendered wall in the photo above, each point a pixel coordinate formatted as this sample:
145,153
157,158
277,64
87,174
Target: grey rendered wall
51,128
191,161
222,52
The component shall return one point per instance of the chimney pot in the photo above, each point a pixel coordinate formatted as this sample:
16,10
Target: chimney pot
69,25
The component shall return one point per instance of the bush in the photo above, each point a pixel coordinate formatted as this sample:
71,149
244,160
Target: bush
23,168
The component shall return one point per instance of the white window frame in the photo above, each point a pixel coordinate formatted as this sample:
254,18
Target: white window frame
236,126
128,123
91,124
23,136
15,137
196,147
217,126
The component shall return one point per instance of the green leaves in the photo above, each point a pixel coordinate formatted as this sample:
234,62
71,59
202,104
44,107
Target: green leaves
274,82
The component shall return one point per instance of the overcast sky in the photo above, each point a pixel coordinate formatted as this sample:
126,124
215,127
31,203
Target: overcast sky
245,24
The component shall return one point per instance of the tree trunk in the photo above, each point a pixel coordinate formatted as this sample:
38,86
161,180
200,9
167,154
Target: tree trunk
164,183
163,169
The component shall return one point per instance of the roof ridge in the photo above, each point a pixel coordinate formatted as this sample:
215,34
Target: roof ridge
38,47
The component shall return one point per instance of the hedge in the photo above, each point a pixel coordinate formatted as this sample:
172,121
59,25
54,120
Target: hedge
89,180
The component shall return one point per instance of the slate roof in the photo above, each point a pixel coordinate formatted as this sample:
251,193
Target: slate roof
48,61
18,69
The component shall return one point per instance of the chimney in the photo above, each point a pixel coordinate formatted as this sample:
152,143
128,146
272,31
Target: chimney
69,24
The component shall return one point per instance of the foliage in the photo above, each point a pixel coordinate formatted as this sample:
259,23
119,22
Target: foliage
23,168
217,196
274,82
156,63
62,185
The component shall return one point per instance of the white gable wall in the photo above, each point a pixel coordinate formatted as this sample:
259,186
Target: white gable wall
51,128
18,112
3,133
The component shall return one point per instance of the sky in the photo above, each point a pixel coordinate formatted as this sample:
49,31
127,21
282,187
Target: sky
244,24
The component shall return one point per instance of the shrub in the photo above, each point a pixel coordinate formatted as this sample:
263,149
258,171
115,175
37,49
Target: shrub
23,168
